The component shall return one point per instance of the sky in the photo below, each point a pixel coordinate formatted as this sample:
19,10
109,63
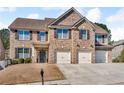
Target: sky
113,17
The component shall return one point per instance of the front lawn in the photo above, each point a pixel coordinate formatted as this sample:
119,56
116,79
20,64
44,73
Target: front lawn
26,73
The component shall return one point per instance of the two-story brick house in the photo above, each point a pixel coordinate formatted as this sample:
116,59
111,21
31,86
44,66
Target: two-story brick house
70,38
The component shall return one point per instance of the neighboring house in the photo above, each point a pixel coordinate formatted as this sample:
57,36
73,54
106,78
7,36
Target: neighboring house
118,46
2,50
70,38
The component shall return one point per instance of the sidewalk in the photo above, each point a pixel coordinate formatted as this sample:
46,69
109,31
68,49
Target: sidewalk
57,82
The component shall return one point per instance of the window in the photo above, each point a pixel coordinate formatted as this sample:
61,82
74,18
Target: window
99,38
23,52
62,33
24,35
42,36
83,34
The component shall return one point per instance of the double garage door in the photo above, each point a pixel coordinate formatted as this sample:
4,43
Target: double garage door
65,57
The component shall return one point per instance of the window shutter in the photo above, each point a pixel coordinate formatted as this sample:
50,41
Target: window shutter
69,34
80,34
30,35
16,53
38,38
30,52
88,34
103,39
16,34
55,33
46,36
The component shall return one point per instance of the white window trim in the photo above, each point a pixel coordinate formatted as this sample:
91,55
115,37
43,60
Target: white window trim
23,54
23,34
62,36
86,34
96,37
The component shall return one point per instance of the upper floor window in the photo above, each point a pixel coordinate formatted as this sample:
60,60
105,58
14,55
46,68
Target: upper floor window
83,34
42,36
23,34
62,33
99,38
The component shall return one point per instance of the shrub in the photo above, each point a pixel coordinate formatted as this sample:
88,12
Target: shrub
21,60
116,60
9,61
28,60
15,61
121,58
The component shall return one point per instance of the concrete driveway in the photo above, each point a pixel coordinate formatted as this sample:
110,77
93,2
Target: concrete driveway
101,73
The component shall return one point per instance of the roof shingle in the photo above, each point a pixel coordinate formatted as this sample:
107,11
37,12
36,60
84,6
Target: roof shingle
31,24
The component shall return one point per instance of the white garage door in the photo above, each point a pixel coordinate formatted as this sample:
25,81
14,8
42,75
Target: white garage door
101,56
84,57
63,57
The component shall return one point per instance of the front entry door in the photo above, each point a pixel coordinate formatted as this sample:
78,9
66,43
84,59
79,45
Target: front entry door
42,56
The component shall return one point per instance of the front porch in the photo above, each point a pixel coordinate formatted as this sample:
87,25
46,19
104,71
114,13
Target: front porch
40,52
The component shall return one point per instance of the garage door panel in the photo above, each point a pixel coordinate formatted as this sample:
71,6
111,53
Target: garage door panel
84,57
101,56
63,57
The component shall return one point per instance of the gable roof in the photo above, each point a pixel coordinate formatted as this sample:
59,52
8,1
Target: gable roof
100,30
64,14
41,25
31,24
81,20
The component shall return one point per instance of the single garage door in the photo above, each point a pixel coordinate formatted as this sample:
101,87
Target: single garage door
63,57
101,56
84,57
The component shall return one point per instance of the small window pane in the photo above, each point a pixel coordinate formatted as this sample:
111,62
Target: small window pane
20,52
42,36
59,33
26,53
20,35
26,35
65,34
26,50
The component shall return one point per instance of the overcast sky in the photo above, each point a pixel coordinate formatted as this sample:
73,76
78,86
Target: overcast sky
112,17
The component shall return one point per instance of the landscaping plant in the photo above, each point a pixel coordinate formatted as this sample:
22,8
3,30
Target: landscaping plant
28,60
122,56
21,60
